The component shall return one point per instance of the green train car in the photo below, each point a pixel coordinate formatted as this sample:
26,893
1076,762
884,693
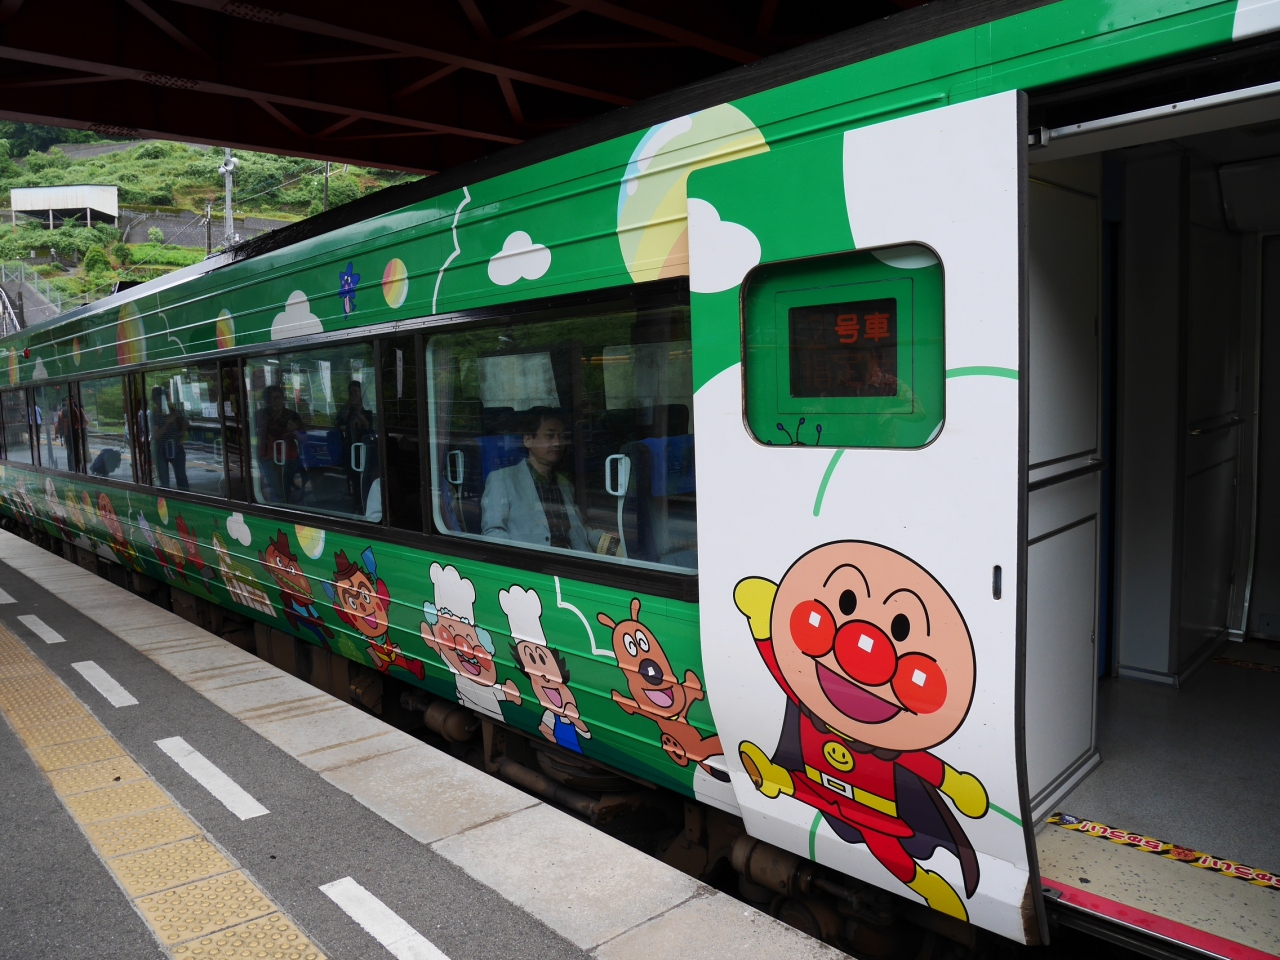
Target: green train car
963,310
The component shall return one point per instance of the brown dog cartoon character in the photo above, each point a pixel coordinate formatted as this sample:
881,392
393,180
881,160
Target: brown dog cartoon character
878,665
547,669
658,695
449,628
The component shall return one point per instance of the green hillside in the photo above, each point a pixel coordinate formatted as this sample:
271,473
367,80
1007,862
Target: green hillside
155,175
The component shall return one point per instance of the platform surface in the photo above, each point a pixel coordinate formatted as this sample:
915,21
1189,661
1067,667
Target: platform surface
116,842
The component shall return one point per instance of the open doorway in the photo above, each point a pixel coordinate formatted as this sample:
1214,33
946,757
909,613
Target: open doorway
1153,531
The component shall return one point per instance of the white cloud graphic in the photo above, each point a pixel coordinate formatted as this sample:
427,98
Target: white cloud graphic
909,256
720,252
297,319
39,373
519,257
238,530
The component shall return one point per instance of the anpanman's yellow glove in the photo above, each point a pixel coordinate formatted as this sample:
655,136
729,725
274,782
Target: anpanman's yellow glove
754,597
966,791
769,778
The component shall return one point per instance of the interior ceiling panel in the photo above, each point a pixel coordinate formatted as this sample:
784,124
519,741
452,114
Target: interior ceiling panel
420,85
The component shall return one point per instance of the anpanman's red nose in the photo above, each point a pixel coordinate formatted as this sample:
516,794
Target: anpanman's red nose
865,653
813,628
920,683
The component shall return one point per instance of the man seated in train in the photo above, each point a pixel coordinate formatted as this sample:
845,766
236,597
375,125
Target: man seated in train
532,502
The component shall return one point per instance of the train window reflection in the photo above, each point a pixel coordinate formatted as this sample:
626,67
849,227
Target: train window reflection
59,422
571,434
107,435
17,429
313,431
183,429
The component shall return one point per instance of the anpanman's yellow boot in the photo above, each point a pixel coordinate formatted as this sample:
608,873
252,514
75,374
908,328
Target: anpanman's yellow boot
938,893
769,778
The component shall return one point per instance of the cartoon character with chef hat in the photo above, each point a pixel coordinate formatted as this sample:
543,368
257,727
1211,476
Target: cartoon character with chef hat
449,628
546,668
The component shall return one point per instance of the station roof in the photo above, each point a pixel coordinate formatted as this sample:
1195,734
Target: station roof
421,85
73,197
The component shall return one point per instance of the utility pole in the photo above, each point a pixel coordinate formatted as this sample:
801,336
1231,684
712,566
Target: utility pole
208,228
326,185
229,164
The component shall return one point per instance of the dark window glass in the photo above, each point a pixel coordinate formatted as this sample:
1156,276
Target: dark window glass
845,349
572,434
184,429
17,430
233,429
400,419
313,431
107,438
60,424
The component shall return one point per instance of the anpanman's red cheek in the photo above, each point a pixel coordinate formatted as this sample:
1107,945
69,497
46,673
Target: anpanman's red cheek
813,628
920,684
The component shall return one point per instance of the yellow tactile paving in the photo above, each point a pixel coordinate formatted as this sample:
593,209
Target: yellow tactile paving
274,936
204,907
117,800
141,831
74,754
193,896
169,866
61,731
91,776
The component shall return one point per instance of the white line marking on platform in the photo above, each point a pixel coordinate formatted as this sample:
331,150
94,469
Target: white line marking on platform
6,598
381,922
105,684
42,629
229,793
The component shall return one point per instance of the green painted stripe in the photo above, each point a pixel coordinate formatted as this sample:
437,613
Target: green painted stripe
813,836
1005,813
1007,372
826,478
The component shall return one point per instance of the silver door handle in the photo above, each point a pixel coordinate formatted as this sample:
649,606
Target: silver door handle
623,477
455,468
277,453
361,458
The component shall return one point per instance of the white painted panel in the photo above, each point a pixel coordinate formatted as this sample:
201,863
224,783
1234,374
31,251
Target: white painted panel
1055,506
950,179
1060,653
1062,271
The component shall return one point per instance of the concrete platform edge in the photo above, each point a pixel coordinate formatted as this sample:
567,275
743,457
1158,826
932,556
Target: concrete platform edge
619,897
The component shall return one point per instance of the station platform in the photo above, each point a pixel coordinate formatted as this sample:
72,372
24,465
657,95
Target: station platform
168,794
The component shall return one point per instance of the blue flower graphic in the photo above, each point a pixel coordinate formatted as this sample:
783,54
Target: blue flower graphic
347,281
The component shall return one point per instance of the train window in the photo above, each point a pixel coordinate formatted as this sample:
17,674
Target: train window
313,430
183,428
400,418
846,351
59,427
17,428
107,437
573,434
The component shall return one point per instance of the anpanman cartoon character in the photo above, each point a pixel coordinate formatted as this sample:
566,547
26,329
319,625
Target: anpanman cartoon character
878,665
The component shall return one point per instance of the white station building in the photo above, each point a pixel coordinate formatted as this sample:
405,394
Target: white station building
86,203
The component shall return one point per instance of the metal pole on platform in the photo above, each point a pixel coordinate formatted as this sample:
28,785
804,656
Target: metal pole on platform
208,229
326,185
229,164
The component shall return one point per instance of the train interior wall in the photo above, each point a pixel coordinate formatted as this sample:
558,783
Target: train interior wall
1153,538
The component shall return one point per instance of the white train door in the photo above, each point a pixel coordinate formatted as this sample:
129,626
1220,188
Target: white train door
859,558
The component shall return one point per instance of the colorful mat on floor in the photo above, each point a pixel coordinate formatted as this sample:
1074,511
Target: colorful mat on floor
1170,851
1250,664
